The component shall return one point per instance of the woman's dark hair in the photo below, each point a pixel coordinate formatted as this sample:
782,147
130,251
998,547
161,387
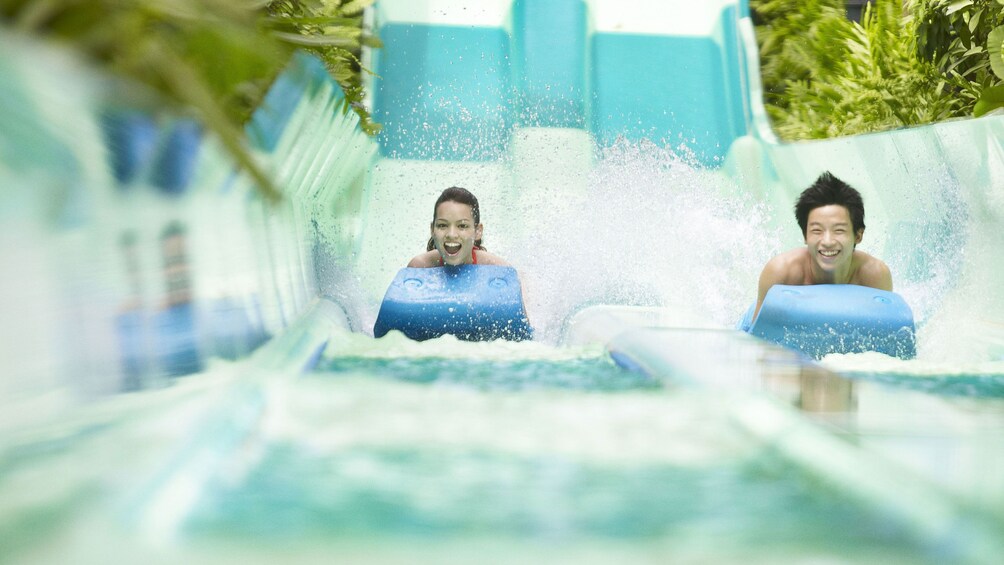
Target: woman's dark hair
460,196
827,190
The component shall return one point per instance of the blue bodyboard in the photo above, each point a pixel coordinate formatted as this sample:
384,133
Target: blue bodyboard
471,302
836,318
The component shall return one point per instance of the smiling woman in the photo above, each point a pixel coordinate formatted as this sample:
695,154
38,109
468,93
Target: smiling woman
455,233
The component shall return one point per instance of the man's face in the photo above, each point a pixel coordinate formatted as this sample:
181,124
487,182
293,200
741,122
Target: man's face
830,237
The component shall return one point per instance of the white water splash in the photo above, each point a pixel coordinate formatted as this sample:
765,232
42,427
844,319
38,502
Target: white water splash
654,230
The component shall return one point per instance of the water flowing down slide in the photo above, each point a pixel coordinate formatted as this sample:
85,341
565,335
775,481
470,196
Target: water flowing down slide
190,372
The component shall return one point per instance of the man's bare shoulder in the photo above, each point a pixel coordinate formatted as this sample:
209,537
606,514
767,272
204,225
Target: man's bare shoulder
872,271
425,260
787,267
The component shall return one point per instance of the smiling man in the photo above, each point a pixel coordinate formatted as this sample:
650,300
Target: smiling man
832,217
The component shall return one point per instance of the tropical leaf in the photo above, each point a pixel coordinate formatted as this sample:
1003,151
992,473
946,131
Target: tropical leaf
991,99
331,30
356,6
317,40
958,5
995,47
315,20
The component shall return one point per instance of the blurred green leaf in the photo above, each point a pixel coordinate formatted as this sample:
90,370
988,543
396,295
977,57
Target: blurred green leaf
317,40
991,99
316,20
958,5
356,6
975,20
371,41
216,58
962,29
995,47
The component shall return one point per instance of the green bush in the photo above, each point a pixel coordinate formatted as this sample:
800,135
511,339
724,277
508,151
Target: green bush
905,64
964,38
797,39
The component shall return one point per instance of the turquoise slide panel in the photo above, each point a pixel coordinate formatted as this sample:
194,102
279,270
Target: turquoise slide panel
444,93
665,88
736,94
550,62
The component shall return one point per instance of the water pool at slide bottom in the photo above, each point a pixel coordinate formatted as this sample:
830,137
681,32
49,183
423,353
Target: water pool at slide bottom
509,452
394,451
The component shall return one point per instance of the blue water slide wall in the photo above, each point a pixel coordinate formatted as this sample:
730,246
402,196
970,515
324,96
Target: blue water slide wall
143,252
451,92
304,76
444,92
673,89
549,62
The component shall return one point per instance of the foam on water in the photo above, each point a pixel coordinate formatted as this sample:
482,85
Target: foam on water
878,363
974,379
328,413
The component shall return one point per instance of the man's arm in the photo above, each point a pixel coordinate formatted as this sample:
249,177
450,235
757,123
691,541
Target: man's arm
774,272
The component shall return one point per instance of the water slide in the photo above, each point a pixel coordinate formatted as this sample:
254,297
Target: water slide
188,367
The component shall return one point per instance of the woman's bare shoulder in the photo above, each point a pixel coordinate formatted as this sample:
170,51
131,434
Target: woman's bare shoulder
486,258
425,260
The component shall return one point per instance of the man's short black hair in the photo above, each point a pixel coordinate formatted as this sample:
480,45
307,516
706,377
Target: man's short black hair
827,190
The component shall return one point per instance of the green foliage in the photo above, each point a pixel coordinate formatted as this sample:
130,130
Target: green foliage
796,38
963,38
333,31
991,99
906,64
848,78
215,58
995,48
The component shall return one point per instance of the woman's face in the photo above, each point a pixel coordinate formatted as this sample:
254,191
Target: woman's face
454,232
